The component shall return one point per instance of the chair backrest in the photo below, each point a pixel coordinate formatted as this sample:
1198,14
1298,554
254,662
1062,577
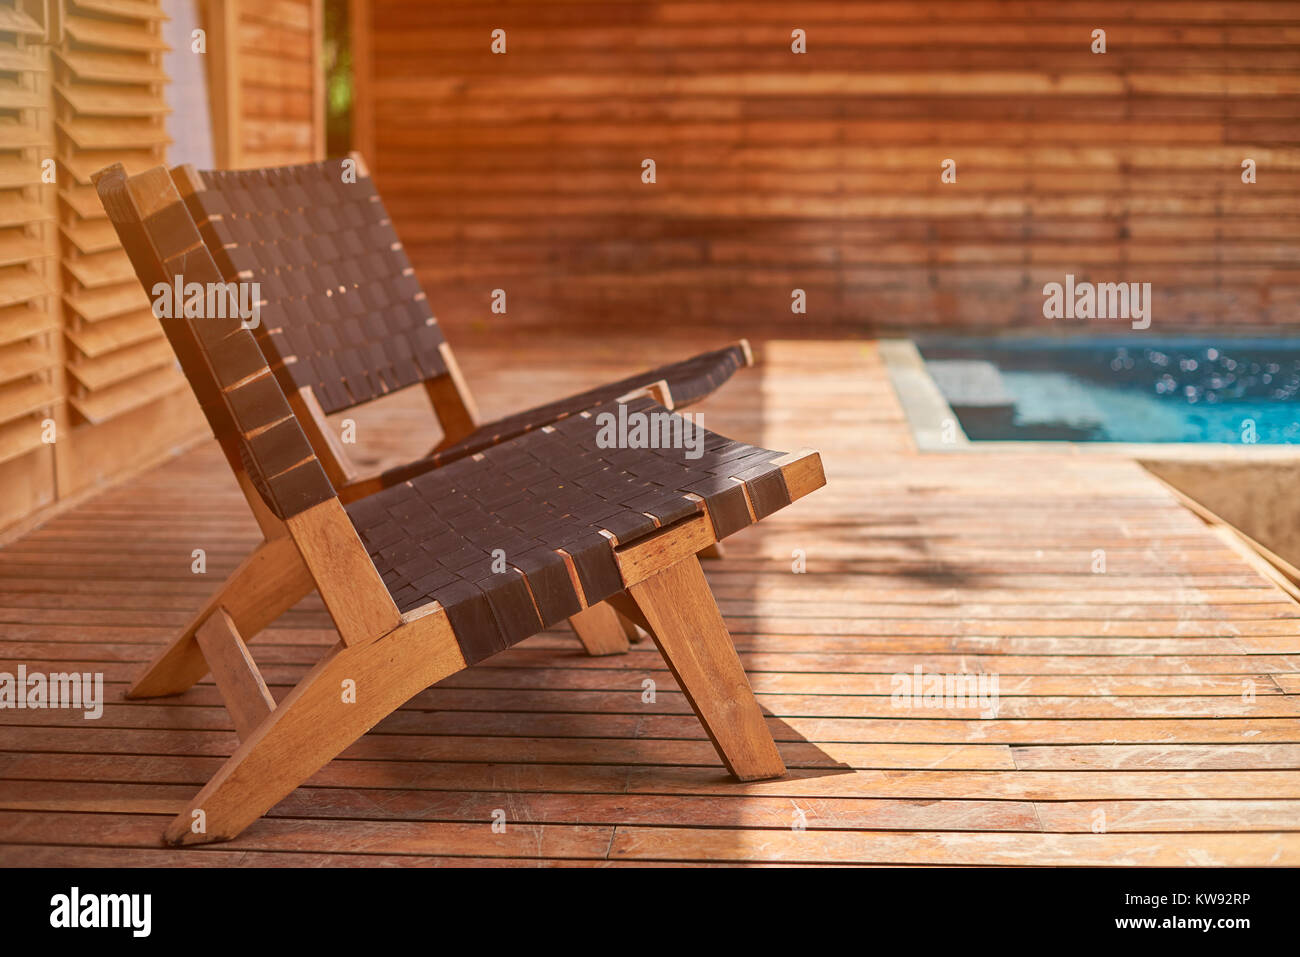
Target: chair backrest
243,401
227,370
342,312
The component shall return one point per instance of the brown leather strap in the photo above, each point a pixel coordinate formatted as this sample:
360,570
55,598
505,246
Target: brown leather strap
344,313
538,497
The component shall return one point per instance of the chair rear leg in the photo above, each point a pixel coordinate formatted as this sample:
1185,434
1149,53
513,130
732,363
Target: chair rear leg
600,629
635,626
688,628
267,584
316,721
635,633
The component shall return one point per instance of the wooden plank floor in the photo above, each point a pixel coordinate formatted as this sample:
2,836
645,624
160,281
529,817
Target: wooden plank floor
1123,735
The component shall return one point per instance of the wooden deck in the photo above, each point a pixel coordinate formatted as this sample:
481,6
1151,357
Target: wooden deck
1121,694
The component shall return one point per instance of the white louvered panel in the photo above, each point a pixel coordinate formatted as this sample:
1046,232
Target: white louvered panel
95,339
95,305
100,405
91,235
15,22
17,248
29,358
110,108
21,399
21,284
20,322
114,35
89,66
19,436
83,164
123,364
18,171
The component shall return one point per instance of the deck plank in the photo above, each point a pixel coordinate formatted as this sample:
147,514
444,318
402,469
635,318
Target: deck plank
1161,697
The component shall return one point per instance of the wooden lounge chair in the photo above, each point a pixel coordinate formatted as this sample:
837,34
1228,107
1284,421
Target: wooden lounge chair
410,575
307,235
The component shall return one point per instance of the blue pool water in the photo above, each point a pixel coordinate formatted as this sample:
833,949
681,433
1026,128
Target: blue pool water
1121,389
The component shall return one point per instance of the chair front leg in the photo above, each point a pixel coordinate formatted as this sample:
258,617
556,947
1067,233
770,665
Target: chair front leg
267,584
345,695
685,623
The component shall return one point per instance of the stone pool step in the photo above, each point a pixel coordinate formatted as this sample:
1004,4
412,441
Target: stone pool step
970,383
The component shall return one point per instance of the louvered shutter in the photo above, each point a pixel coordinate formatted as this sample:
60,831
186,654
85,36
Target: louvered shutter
29,356
110,107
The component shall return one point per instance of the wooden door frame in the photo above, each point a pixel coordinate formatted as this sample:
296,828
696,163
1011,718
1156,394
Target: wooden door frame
221,20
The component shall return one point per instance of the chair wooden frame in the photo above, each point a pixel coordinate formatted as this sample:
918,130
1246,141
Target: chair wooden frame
385,656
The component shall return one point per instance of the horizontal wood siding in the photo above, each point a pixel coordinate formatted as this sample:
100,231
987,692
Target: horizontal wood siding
279,81
821,171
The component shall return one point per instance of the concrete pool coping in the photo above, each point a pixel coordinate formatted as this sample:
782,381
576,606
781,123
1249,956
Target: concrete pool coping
936,428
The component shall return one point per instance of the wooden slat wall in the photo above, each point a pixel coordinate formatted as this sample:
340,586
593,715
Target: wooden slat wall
268,83
29,355
821,171
281,81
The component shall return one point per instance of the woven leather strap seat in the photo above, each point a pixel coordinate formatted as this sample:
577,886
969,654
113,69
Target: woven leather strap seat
689,381
696,377
482,536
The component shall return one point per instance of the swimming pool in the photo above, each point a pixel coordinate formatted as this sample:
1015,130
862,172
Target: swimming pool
1138,389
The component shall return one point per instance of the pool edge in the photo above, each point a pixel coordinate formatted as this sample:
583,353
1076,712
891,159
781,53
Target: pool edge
935,428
